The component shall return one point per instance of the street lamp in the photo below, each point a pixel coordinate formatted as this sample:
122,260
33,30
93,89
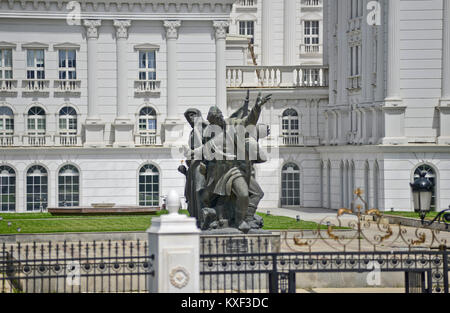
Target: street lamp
422,190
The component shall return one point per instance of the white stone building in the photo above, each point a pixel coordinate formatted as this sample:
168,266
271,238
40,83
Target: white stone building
91,104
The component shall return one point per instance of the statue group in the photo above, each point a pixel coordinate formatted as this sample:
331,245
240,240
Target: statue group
221,190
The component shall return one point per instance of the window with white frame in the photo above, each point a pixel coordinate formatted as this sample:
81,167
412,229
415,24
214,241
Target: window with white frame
6,71
35,64
68,186
290,127
67,121
290,185
36,121
147,65
37,188
6,121
311,33
247,28
147,121
67,64
7,189
149,186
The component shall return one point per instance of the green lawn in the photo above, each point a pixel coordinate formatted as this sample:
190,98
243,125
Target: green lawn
430,215
46,223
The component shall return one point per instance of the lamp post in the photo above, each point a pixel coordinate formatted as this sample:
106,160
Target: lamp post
422,189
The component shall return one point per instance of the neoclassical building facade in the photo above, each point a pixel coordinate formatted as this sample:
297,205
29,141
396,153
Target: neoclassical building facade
92,96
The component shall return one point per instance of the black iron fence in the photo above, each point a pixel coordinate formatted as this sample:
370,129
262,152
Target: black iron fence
424,271
82,267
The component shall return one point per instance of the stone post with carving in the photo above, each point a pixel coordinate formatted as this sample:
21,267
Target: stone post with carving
174,241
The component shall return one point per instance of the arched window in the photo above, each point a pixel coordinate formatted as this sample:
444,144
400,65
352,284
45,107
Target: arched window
431,175
6,121
291,127
37,188
36,121
147,126
68,186
290,185
67,121
149,186
7,189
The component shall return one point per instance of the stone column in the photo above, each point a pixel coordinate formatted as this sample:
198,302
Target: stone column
343,55
221,84
173,128
444,106
266,37
175,242
290,48
123,126
94,127
394,112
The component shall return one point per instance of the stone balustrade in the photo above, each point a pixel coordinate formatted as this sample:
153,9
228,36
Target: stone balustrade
276,76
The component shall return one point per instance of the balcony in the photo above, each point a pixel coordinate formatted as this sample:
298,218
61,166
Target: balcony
311,50
143,87
242,5
292,140
36,85
8,140
68,140
147,139
354,82
67,85
36,140
8,85
312,4
276,76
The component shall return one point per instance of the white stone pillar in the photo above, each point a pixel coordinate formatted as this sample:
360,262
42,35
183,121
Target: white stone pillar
290,48
121,59
343,55
444,106
173,128
394,112
174,242
94,127
123,126
221,83
266,38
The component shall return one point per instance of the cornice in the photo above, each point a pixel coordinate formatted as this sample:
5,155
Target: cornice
134,7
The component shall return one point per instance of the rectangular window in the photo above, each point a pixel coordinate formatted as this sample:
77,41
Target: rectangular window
147,65
67,64
6,64
35,64
311,33
247,28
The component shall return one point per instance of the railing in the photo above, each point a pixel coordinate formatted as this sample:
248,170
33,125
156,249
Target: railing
354,82
312,3
35,140
6,140
276,76
291,140
7,85
246,3
67,140
146,139
36,85
147,86
311,49
82,267
67,85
